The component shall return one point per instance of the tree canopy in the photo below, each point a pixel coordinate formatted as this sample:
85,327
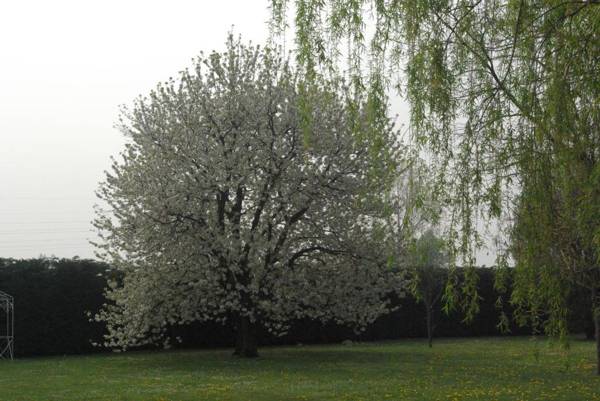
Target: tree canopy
505,94
220,209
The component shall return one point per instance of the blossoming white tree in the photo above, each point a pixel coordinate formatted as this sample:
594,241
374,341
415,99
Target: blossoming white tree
245,194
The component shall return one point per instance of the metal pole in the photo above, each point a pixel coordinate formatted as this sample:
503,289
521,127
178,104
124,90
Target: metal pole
7,334
12,328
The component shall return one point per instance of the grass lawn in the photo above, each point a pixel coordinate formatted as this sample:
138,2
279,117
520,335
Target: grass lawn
455,369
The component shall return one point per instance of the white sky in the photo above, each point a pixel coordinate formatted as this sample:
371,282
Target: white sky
65,68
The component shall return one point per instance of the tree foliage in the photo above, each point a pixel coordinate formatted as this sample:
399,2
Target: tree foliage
506,96
221,209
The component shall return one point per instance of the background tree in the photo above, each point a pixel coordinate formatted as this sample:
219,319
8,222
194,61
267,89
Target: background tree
506,96
422,254
219,207
428,266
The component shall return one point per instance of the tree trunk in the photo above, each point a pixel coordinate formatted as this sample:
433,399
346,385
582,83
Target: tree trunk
429,314
246,345
597,329
596,317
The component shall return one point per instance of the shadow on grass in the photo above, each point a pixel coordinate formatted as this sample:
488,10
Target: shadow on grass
277,359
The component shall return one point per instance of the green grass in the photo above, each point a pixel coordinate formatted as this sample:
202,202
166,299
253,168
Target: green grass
455,369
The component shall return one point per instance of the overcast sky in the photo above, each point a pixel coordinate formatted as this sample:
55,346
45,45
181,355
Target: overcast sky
65,68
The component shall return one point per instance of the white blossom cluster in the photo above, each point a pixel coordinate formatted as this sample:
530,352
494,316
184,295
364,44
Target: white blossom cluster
221,205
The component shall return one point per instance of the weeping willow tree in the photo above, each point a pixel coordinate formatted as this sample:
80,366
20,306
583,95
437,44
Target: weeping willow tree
505,96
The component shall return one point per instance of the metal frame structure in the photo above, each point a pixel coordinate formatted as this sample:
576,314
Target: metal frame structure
7,326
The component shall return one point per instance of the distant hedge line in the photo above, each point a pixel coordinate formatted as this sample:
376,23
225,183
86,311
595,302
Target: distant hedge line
52,298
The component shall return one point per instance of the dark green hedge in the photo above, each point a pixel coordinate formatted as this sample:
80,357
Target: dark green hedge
51,300
53,296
